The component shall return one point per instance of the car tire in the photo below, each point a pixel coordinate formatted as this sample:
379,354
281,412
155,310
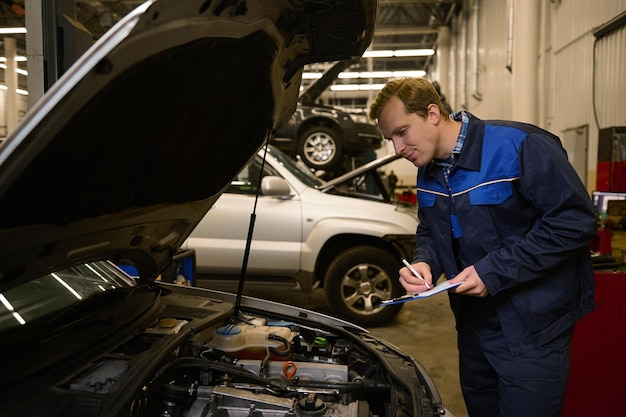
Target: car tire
356,282
321,148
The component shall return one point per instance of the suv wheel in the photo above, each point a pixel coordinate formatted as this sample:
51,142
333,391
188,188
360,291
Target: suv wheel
356,282
321,148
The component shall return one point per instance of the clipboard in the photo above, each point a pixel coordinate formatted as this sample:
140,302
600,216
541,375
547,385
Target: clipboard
444,286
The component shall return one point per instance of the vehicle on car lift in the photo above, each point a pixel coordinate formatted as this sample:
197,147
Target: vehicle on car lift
324,136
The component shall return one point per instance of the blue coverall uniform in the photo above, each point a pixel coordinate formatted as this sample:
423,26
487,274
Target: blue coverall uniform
515,208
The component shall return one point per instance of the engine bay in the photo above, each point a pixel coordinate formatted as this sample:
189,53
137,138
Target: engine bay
270,369
254,367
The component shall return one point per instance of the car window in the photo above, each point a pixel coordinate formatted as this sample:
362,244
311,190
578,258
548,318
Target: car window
366,185
299,171
247,180
43,297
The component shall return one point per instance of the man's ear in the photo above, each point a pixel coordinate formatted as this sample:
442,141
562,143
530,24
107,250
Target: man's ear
434,114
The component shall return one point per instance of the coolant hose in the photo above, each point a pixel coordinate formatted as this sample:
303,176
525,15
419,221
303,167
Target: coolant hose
354,386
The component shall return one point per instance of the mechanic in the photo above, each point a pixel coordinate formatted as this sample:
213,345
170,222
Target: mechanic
501,209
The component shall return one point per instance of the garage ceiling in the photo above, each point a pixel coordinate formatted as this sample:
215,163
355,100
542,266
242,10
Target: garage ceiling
411,24
401,24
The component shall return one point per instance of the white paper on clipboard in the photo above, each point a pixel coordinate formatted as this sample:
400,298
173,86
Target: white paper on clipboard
444,286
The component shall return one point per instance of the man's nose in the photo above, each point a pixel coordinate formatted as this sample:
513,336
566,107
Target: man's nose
397,145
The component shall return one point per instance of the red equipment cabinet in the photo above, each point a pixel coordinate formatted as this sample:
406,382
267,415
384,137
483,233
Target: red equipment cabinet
597,382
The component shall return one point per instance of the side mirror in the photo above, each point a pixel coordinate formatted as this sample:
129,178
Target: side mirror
275,187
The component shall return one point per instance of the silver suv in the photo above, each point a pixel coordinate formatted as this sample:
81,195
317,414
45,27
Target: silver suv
345,236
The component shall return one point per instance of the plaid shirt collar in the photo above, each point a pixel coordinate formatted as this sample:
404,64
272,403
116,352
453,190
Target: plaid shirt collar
447,164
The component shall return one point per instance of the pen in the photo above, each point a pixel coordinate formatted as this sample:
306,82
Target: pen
414,272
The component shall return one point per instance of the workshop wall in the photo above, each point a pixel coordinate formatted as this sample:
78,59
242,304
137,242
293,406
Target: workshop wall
577,78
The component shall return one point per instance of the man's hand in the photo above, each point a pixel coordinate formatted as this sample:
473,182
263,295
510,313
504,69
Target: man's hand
411,283
472,284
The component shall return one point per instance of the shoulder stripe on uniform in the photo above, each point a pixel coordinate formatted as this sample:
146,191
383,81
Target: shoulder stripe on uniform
469,189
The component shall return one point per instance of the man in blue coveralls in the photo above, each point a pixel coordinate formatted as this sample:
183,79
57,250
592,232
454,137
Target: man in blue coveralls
501,210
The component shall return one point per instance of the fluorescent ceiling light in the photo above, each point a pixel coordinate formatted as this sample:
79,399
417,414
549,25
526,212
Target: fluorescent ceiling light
18,58
381,74
17,90
400,74
12,31
356,87
18,70
311,75
378,54
387,53
366,74
414,52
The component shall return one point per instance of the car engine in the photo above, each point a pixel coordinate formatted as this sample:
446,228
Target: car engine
192,357
270,369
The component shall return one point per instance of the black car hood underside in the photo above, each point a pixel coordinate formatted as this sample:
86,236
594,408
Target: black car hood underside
126,153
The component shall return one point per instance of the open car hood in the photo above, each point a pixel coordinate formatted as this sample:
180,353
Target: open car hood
372,165
129,149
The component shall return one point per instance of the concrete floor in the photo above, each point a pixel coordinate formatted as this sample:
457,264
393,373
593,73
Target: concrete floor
424,329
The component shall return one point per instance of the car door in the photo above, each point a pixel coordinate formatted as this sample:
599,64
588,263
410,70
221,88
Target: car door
220,238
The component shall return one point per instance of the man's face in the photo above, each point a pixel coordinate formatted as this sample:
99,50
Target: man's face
413,137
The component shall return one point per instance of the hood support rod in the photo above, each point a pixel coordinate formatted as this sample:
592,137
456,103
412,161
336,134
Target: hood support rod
246,254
